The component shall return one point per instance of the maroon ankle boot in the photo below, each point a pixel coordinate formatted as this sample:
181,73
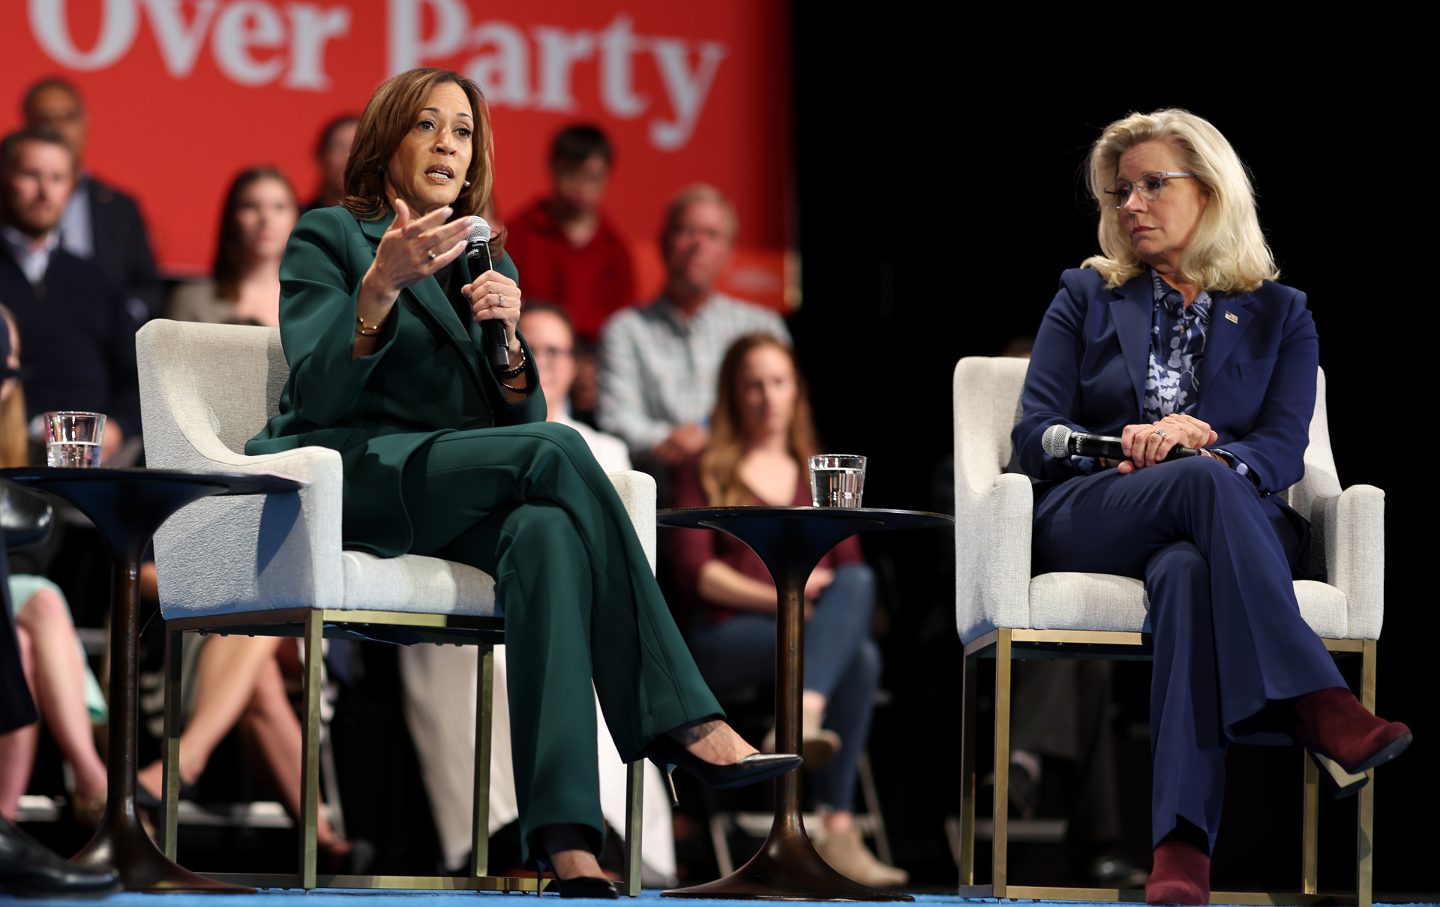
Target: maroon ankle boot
1181,874
1333,723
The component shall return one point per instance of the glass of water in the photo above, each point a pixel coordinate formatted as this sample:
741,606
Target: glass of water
836,480
73,439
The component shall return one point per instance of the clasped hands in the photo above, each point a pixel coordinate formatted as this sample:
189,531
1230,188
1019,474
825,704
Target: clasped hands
414,248
1148,444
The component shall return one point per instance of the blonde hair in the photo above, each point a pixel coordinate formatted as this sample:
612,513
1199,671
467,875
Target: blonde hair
697,192
1228,251
720,463
14,445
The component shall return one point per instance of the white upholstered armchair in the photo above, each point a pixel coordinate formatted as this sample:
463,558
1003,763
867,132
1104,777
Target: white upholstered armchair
1001,610
274,565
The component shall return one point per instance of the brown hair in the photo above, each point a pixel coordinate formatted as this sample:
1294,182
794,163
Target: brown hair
228,255
720,463
388,118
14,434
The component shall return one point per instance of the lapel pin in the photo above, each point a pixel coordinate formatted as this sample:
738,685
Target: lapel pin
1232,318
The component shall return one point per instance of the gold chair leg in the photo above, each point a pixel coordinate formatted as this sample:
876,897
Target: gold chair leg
968,696
1365,809
634,824
484,711
999,845
1310,828
170,792
310,749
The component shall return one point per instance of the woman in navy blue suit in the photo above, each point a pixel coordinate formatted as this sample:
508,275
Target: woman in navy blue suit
1177,335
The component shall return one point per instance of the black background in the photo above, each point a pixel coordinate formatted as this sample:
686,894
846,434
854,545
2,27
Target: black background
940,194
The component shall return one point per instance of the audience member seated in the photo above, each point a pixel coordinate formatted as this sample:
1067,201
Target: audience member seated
100,223
26,868
62,304
50,654
567,249
236,681
332,150
244,288
442,723
761,439
658,363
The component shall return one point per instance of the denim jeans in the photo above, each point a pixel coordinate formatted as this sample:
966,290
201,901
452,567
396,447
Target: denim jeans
842,663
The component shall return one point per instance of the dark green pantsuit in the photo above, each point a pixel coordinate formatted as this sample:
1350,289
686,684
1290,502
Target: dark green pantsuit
529,505
438,461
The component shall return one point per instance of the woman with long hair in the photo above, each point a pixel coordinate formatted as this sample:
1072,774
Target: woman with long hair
244,285
393,340
66,692
761,440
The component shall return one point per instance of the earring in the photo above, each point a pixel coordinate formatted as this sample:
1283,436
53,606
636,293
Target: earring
467,184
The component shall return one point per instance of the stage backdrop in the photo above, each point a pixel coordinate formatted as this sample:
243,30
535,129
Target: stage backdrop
183,93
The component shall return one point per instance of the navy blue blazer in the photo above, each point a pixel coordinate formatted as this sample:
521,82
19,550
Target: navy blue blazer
1257,379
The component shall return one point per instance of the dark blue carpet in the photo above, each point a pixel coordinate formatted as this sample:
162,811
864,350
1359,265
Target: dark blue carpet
338,898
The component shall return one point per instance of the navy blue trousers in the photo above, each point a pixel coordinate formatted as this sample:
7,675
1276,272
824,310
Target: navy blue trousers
841,661
1230,644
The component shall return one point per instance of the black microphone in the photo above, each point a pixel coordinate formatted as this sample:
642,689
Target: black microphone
1060,442
477,255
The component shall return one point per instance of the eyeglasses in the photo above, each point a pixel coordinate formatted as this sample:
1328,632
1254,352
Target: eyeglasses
1149,185
551,352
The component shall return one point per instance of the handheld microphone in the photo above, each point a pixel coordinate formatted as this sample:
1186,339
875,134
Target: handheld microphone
477,255
1060,442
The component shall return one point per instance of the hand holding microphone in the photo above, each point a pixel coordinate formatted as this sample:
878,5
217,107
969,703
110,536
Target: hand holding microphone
494,299
1139,446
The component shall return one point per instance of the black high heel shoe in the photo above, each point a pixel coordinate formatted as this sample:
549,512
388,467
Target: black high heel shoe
754,768
578,887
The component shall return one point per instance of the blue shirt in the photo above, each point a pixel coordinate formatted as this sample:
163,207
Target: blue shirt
1177,347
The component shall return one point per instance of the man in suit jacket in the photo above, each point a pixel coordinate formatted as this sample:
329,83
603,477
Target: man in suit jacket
79,343
100,222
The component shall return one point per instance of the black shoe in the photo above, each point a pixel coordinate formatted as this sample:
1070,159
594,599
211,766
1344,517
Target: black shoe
29,870
578,887
756,767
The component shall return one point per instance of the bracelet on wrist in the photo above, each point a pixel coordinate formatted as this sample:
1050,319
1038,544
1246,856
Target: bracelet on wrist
367,330
515,370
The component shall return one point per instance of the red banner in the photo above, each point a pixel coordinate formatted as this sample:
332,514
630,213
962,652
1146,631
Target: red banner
182,94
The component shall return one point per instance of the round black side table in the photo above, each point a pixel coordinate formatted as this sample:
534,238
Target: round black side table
127,506
791,541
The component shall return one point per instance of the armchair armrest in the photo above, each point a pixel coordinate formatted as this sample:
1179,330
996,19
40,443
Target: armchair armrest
992,555
1353,539
637,493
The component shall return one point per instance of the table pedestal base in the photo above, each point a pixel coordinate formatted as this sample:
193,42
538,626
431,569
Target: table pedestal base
787,868
122,843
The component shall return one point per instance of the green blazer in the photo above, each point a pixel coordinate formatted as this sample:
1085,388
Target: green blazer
425,378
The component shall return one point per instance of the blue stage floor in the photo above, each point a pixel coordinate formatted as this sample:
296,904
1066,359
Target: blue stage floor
350,898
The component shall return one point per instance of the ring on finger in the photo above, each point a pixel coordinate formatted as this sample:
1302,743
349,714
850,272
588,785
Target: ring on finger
431,254
1160,432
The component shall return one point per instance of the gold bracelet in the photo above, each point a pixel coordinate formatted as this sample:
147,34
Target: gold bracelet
367,330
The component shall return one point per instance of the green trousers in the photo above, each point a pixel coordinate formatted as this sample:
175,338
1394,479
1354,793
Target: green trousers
529,505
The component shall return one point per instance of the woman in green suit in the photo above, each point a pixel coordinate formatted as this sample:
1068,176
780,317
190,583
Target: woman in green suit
444,455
